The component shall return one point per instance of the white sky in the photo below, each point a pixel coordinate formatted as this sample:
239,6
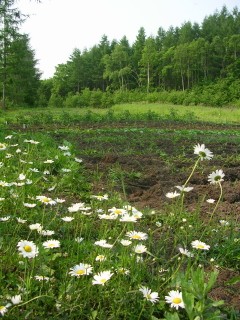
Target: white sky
56,27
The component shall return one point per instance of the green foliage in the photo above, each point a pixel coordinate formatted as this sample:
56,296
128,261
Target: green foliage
191,65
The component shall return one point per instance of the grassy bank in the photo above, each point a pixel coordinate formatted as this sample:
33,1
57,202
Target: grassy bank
123,112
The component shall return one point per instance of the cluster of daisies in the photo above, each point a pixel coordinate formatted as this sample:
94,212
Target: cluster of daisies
127,214
216,177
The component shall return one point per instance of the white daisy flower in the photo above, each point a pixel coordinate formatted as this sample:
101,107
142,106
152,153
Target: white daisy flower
100,198
149,295
31,141
185,252
175,300
110,216
46,200
3,219
210,200
4,184
203,152
122,270
184,189
59,200
81,269
46,232
117,211
224,223
48,161
67,154
3,309
137,235
51,188
125,243
16,299
140,248
137,214
100,258
41,278
3,146
128,218
50,244
102,277
35,226
27,249
103,244
76,207
21,177
63,148
29,205
20,220
78,160
172,195
67,219
33,170
200,245
8,156
216,176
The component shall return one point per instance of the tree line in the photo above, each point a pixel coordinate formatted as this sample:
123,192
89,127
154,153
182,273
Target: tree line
19,75
191,64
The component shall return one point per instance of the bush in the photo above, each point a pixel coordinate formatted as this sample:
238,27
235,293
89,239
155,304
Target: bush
96,98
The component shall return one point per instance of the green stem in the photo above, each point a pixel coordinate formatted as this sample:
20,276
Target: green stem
140,314
214,210
217,204
190,176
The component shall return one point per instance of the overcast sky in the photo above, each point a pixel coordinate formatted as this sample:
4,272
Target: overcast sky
56,27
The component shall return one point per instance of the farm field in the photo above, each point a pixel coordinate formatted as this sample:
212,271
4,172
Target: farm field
134,163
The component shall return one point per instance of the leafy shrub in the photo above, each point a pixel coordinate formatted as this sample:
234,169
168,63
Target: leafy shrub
55,101
96,98
107,100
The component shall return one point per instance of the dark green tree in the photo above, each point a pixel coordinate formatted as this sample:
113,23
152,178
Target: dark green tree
10,19
23,75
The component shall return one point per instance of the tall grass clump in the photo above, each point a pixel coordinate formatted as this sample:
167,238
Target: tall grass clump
69,254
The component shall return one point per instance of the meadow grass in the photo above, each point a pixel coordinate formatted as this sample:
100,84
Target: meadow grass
67,253
121,112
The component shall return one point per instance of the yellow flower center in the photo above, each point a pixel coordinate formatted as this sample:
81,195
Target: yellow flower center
80,272
177,300
136,236
2,307
103,280
118,211
27,248
200,246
